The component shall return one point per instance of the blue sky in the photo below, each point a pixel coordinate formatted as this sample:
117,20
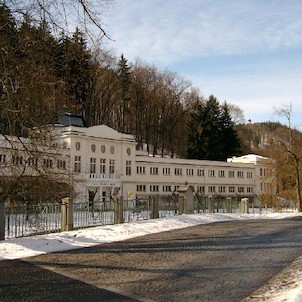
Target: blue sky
247,52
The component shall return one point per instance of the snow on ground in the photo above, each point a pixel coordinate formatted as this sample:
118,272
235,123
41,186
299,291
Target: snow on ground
289,290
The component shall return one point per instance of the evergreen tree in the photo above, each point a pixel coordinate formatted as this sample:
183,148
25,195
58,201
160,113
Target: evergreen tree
195,130
230,143
74,69
123,72
27,79
40,95
211,133
8,53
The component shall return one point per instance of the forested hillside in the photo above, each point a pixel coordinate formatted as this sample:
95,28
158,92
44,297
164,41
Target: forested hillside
284,145
42,74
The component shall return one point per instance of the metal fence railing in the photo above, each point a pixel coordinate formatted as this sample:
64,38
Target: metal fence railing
25,220
93,214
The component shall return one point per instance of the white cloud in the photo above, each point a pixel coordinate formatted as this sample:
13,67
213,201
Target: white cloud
242,51
165,32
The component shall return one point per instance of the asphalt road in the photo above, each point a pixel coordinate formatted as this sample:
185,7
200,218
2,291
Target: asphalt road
217,262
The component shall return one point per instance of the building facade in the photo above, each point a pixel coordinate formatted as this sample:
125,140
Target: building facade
99,161
104,161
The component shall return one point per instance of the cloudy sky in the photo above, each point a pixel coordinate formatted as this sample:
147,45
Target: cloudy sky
247,52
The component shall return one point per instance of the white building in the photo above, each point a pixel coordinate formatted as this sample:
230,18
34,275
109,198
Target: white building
101,161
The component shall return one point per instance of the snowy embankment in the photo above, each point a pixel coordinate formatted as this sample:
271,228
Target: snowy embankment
278,290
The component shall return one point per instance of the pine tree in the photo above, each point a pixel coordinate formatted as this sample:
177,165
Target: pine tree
124,123
211,133
73,67
230,142
8,51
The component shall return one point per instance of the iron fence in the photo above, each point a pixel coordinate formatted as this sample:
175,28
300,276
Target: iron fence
26,220
93,214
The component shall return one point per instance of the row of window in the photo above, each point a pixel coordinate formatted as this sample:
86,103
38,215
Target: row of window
192,172
265,172
93,148
19,160
102,164
201,189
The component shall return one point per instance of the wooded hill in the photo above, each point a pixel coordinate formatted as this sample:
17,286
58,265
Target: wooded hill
259,138
284,145
42,74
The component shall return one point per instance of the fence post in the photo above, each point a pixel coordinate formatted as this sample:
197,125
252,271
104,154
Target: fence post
154,206
2,218
228,204
210,204
67,214
181,204
118,209
244,205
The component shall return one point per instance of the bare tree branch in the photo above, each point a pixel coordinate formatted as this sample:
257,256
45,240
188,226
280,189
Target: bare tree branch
65,15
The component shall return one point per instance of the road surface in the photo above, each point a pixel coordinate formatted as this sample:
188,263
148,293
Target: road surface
217,262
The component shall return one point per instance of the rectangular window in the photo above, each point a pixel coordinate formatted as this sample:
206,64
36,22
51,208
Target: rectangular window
61,164
211,189
211,173
92,165
102,165
240,189
249,174
166,171
231,189
141,188
167,189
2,158
231,174
17,160
221,173
111,166
221,189
32,161
154,170
200,189
47,163
128,167
200,172
140,170
261,172
77,164
154,188
178,171
240,174
190,172
250,189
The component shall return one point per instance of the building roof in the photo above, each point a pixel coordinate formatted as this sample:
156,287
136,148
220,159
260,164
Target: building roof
69,119
249,158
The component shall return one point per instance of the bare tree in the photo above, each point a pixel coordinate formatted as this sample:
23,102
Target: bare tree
64,15
30,95
292,146
236,113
